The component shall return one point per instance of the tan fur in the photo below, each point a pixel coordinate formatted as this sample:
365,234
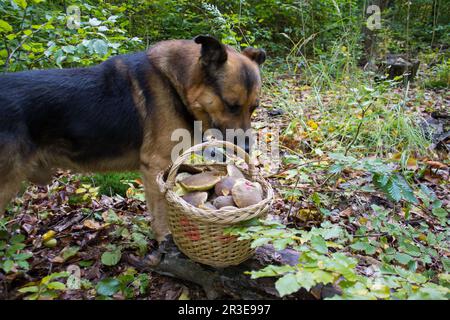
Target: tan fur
156,151
138,93
11,175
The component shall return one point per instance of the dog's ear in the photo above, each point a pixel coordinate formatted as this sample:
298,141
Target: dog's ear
213,52
257,55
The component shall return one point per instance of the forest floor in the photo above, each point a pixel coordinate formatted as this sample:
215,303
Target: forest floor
71,226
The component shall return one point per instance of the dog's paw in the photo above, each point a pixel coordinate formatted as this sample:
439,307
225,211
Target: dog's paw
167,245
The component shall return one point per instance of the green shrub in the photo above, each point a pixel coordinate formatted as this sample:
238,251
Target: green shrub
440,77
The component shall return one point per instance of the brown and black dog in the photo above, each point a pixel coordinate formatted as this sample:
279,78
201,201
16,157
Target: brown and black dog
120,114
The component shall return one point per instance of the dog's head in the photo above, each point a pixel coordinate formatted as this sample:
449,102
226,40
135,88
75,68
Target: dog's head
231,83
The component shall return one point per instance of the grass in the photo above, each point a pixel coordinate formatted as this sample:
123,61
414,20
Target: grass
111,183
381,115
440,77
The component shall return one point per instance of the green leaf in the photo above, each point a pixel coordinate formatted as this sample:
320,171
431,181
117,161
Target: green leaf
431,291
440,212
15,247
23,264
17,238
406,190
393,190
336,168
21,3
111,258
60,59
446,264
339,262
281,244
55,275
33,296
26,47
48,295
85,263
437,204
305,279
100,47
70,49
94,22
330,231
343,158
56,286
23,256
271,271
8,265
381,179
319,244
364,246
143,282
29,289
322,276
260,242
69,252
113,218
315,197
5,27
410,248
403,258
287,284
107,287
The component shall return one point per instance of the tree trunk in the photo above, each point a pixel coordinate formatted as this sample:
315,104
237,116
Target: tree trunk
370,36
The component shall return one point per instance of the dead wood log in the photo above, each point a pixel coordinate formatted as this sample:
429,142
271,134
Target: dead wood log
231,282
397,65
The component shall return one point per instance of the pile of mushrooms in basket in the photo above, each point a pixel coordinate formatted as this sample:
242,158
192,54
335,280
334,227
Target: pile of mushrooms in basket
218,190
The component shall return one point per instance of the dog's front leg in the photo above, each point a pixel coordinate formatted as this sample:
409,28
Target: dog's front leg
155,202
9,187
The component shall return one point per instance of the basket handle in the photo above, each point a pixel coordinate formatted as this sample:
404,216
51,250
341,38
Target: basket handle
170,182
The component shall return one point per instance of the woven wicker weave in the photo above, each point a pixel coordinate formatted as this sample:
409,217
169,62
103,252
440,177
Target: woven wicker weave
199,233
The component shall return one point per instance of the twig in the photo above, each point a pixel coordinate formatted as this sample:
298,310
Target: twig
319,188
293,167
370,235
8,51
291,202
23,18
368,259
357,130
18,47
328,178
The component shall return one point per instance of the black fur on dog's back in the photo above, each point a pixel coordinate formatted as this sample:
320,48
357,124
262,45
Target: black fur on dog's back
87,113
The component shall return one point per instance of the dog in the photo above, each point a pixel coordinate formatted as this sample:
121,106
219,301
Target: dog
119,115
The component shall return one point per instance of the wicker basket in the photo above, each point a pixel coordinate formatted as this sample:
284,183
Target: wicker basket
199,233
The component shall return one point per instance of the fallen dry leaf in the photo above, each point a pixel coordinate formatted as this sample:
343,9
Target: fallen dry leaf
92,224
